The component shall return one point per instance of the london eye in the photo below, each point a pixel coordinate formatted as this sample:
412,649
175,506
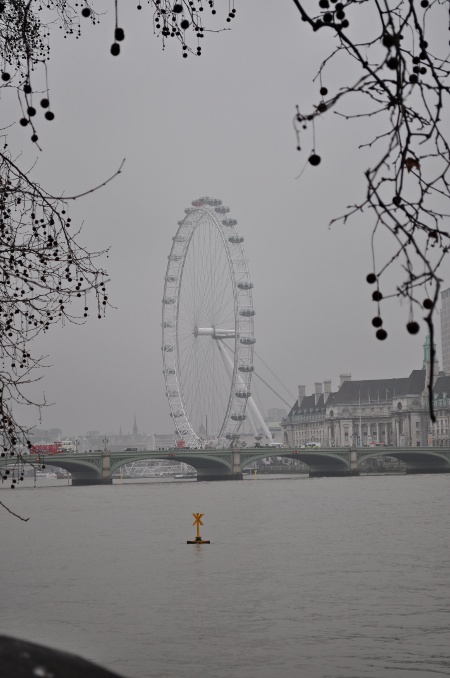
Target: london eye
207,327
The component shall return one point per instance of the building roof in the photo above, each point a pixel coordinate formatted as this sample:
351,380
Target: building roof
308,405
380,390
369,391
441,387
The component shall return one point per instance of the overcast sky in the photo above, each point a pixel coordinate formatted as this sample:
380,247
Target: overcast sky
218,125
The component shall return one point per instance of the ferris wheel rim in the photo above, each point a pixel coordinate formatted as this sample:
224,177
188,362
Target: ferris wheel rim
241,287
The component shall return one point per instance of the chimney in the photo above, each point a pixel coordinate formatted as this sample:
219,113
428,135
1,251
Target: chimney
318,393
344,377
301,394
326,390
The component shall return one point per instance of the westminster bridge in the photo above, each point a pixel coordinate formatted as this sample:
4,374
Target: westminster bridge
95,468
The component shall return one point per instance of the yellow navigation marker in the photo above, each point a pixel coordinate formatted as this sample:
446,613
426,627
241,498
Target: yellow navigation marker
198,521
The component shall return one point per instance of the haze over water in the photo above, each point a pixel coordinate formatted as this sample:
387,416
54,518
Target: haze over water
337,577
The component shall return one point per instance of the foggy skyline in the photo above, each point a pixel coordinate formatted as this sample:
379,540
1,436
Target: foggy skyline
218,125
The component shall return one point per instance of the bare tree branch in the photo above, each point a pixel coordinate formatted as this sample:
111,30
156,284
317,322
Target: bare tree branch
402,83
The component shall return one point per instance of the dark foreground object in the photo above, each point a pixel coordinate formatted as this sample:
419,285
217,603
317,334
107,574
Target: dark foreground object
20,659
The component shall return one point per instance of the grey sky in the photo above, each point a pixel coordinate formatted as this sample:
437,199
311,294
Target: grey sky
218,125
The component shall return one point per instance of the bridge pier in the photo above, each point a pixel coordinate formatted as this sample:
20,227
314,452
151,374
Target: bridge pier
104,479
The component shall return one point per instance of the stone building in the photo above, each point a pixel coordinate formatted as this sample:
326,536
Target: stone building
445,330
389,412
439,431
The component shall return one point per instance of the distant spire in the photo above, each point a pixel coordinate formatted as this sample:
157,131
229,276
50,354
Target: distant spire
120,432
135,428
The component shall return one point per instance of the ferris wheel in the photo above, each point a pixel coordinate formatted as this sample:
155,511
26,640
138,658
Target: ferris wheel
207,327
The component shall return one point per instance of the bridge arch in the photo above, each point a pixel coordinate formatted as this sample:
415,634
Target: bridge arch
84,469
320,463
417,460
206,466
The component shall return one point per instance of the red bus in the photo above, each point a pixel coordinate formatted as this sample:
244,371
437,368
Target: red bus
47,448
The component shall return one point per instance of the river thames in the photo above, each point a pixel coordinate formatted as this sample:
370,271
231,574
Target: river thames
325,578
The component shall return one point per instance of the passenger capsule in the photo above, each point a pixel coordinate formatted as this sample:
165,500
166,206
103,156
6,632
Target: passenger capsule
174,257
169,370
246,368
222,209
167,348
245,285
167,323
247,312
168,300
236,239
242,394
229,222
188,210
214,202
171,278
247,340
238,417
179,238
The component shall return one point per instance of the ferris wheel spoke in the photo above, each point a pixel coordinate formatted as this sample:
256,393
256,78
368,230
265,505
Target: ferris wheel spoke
205,393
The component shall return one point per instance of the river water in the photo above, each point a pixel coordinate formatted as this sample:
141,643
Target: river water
333,577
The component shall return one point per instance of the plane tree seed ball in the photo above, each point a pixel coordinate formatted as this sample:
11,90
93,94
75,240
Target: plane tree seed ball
323,91
377,321
388,40
428,303
314,159
412,327
381,334
392,63
377,296
371,278
119,34
184,24
177,8
86,12
45,103
115,49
